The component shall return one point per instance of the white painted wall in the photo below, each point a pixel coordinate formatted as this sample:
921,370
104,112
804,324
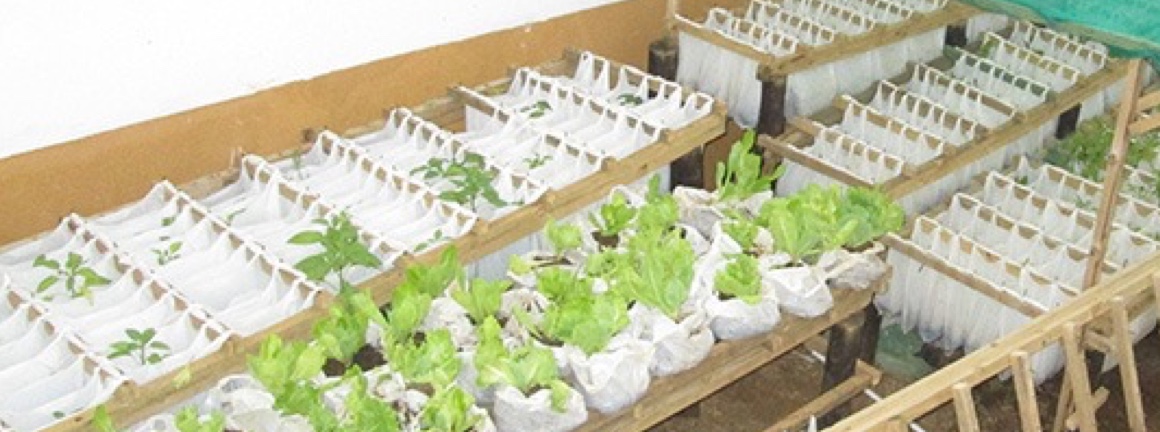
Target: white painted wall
73,68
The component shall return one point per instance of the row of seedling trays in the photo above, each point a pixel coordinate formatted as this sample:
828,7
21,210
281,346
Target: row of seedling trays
1026,232
910,127
138,293
782,29
641,287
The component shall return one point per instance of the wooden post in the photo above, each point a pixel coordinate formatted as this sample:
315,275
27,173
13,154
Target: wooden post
663,58
956,35
1068,121
1077,373
1025,391
965,413
1113,173
871,328
842,353
771,120
1125,353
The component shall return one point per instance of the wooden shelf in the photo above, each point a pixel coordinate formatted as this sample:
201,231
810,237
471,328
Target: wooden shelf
727,362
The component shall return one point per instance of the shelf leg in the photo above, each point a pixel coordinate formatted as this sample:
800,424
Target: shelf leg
842,354
1068,121
771,119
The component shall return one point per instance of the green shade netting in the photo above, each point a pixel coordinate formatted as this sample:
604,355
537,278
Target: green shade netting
1130,28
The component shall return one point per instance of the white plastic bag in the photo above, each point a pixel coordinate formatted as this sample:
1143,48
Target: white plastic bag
680,345
515,412
615,378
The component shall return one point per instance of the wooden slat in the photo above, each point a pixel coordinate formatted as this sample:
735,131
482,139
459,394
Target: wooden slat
825,402
880,35
1004,135
1126,355
1145,125
969,279
796,155
965,414
1149,100
700,32
728,361
1025,392
1077,373
1099,398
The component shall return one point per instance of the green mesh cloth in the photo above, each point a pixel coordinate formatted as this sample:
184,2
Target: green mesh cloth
1130,28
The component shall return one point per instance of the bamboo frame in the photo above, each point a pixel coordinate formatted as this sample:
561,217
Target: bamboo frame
132,403
1124,291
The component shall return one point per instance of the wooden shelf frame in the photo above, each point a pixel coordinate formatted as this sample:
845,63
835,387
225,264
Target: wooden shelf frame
133,403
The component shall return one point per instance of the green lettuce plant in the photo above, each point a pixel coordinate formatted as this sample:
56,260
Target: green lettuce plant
742,230
587,322
189,420
614,216
873,213
287,370
449,410
364,411
563,237
434,279
343,332
660,211
431,361
740,176
658,271
527,368
409,307
481,298
558,284
740,279
79,279
342,249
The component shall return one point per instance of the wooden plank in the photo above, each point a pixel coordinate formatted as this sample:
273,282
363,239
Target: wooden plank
136,403
795,155
880,35
1126,355
1149,100
1077,373
1004,135
700,32
965,414
969,279
728,361
1098,400
1025,392
825,402
1145,125
1113,172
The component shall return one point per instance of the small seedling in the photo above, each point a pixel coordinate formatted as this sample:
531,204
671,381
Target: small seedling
102,422
537,160
229,219
629,99
470,178
142,346
436,237
342,249
169,253
189,420
79,279
537,109
296,159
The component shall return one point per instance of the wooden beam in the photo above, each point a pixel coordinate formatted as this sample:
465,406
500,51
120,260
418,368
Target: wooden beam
1126,355
796,155
699,31
968,419
1000,137
1113,173
1025,392
969,279
1145,125
825,402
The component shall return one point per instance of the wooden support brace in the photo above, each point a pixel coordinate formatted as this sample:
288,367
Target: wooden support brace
1077,373
965,413
842,353
1125,354
864,377
1098,400
1025,391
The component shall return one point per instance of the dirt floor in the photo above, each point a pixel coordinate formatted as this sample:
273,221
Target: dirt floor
759,400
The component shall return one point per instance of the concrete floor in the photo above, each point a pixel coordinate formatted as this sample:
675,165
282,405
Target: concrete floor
765,396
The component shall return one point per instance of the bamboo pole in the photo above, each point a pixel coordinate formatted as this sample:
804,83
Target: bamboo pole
1113,173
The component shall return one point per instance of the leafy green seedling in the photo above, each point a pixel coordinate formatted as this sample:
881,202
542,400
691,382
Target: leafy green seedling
537,160
659,271
342,249
660,211
629,99
481,298
740,279
740,176
743,231
79,279
408,309
434,279
342,333
528,368
558,284
189,420
449,409
229,219
873,213
169,253
102,422
586,321
537,110
432,361
436,237
142,346
364,411
564,237
470,178
287,370
615,216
